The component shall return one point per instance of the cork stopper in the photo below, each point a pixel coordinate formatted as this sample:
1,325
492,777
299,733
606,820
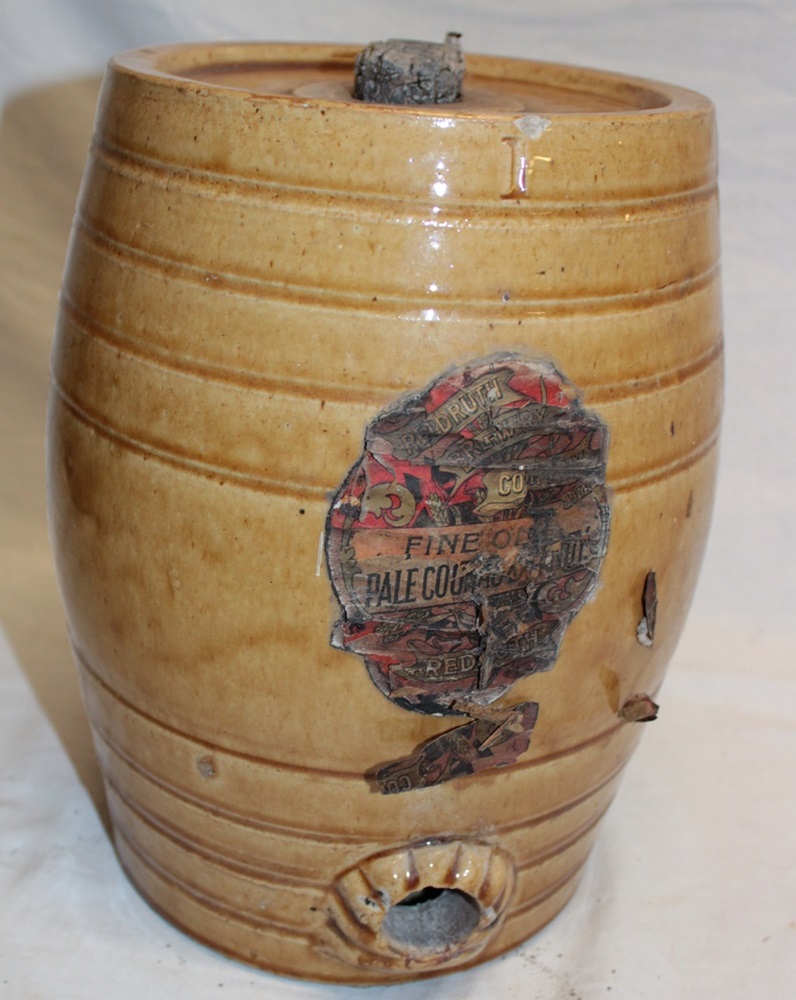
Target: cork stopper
408,72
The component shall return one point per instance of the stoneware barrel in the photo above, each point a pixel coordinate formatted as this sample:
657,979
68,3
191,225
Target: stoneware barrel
382,445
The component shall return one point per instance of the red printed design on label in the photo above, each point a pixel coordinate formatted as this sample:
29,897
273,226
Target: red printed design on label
470,533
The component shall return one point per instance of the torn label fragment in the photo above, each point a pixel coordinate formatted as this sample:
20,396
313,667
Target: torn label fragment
484,743
470,533
645,632
639,708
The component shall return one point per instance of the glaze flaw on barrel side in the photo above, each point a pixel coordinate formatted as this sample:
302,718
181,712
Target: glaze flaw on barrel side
259,266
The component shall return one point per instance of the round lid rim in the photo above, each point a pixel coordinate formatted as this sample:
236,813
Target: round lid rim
169,64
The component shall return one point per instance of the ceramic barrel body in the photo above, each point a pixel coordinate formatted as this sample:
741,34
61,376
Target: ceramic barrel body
260,267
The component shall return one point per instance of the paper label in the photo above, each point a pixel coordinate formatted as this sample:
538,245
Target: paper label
470,533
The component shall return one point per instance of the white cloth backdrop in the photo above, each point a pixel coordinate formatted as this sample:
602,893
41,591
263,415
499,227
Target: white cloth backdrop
691,890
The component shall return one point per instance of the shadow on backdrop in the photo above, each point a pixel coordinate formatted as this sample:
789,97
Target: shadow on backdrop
44,137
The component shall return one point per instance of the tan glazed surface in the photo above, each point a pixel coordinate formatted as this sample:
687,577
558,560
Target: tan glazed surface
260,266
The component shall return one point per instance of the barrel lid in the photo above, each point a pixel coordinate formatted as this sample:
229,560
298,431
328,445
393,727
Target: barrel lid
493,85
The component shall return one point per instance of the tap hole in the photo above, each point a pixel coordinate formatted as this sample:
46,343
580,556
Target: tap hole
432,919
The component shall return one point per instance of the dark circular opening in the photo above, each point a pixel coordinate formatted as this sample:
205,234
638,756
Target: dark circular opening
432,919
